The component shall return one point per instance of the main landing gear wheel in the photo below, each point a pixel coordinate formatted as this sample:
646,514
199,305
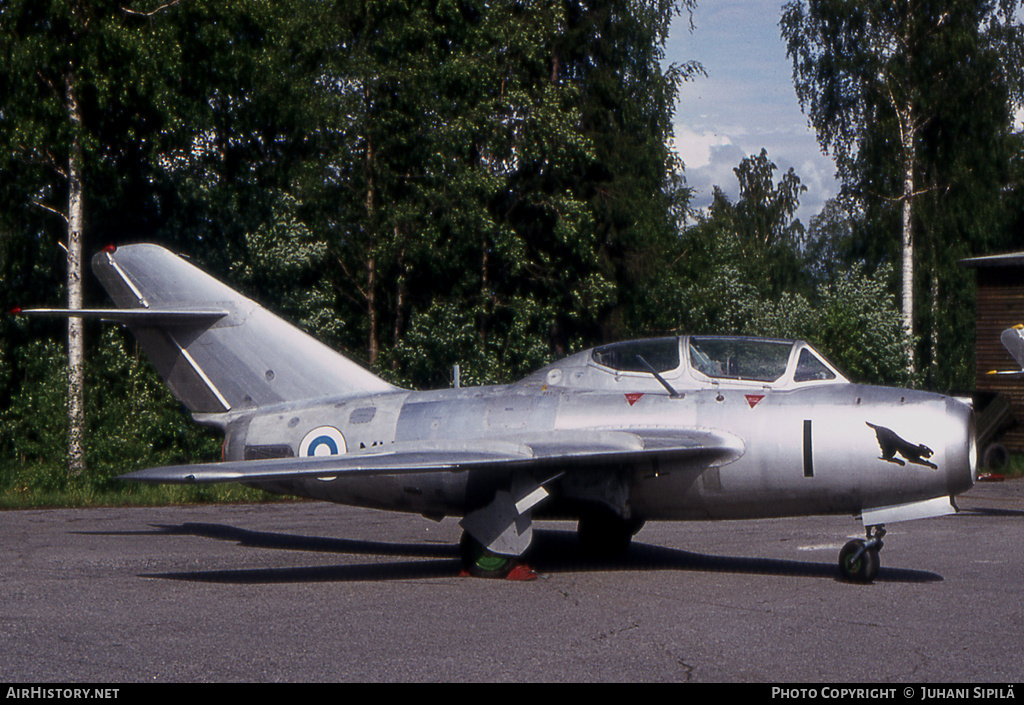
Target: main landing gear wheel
859,561
606,535
481,562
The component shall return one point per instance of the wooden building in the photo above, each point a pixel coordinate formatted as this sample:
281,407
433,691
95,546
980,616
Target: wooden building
1000,305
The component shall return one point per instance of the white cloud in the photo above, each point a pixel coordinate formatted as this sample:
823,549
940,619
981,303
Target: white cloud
695,147
746,103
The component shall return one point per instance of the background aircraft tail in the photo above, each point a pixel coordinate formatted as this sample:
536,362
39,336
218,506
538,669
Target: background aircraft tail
217,350
1013,341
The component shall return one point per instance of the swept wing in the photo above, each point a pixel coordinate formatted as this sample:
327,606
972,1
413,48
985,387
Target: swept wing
676,448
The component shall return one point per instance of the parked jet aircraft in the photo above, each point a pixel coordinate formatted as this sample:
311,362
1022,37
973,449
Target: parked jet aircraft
671,428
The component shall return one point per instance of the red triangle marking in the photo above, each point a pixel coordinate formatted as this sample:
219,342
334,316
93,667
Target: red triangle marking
633,397
753,399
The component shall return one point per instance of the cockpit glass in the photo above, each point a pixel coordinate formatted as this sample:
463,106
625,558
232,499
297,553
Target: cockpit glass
740,358
662,354
809,368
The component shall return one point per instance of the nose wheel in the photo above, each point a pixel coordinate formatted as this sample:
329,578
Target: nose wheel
858,561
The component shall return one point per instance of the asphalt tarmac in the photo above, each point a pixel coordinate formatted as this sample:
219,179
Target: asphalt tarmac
292,592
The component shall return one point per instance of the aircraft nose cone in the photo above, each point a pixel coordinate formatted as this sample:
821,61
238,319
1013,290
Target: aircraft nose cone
962,450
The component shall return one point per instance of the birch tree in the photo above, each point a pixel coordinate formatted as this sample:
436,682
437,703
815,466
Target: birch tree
869,75
68,103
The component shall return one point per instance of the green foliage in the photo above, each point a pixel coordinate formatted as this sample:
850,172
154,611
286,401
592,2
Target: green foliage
282,268
766,235
859,327
34,424
502,162
744,252
418,182
931,85
749,268
133,421
446,335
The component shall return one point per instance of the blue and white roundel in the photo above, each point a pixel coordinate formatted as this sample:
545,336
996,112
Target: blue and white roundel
325,440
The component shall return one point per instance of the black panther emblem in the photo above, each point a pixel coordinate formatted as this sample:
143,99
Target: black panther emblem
891,444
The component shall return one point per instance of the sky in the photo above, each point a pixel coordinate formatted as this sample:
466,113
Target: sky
745,102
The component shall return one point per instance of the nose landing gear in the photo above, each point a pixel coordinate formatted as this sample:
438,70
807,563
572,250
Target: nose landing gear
858,561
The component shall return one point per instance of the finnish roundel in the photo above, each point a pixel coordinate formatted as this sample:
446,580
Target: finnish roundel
325,440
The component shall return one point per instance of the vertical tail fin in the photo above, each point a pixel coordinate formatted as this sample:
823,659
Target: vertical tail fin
1013,340
217,350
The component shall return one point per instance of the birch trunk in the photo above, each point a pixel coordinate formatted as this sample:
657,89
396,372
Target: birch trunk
933,364
907,130
909,157
76,368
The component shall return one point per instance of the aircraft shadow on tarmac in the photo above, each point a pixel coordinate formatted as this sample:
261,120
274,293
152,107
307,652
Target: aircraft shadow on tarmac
991,512
553,551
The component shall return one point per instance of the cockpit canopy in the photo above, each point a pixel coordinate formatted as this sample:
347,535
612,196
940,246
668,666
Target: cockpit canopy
757,360
661,354
718,360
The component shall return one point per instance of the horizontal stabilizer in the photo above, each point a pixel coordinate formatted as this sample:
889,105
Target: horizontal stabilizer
217,350
559,448
137,316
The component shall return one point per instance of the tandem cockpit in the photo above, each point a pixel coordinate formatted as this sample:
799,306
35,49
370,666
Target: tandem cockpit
694,361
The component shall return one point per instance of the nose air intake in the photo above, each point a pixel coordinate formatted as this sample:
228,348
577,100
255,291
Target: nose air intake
962,450
972,452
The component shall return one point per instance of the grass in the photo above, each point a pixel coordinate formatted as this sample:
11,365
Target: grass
131,495
1014,467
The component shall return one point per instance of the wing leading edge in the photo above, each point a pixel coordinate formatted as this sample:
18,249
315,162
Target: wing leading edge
689,448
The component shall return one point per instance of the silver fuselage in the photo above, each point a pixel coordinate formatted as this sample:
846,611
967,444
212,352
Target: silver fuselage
808,448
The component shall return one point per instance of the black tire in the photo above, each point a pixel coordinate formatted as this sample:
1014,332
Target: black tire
995,457
481,562
864,568
605,535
